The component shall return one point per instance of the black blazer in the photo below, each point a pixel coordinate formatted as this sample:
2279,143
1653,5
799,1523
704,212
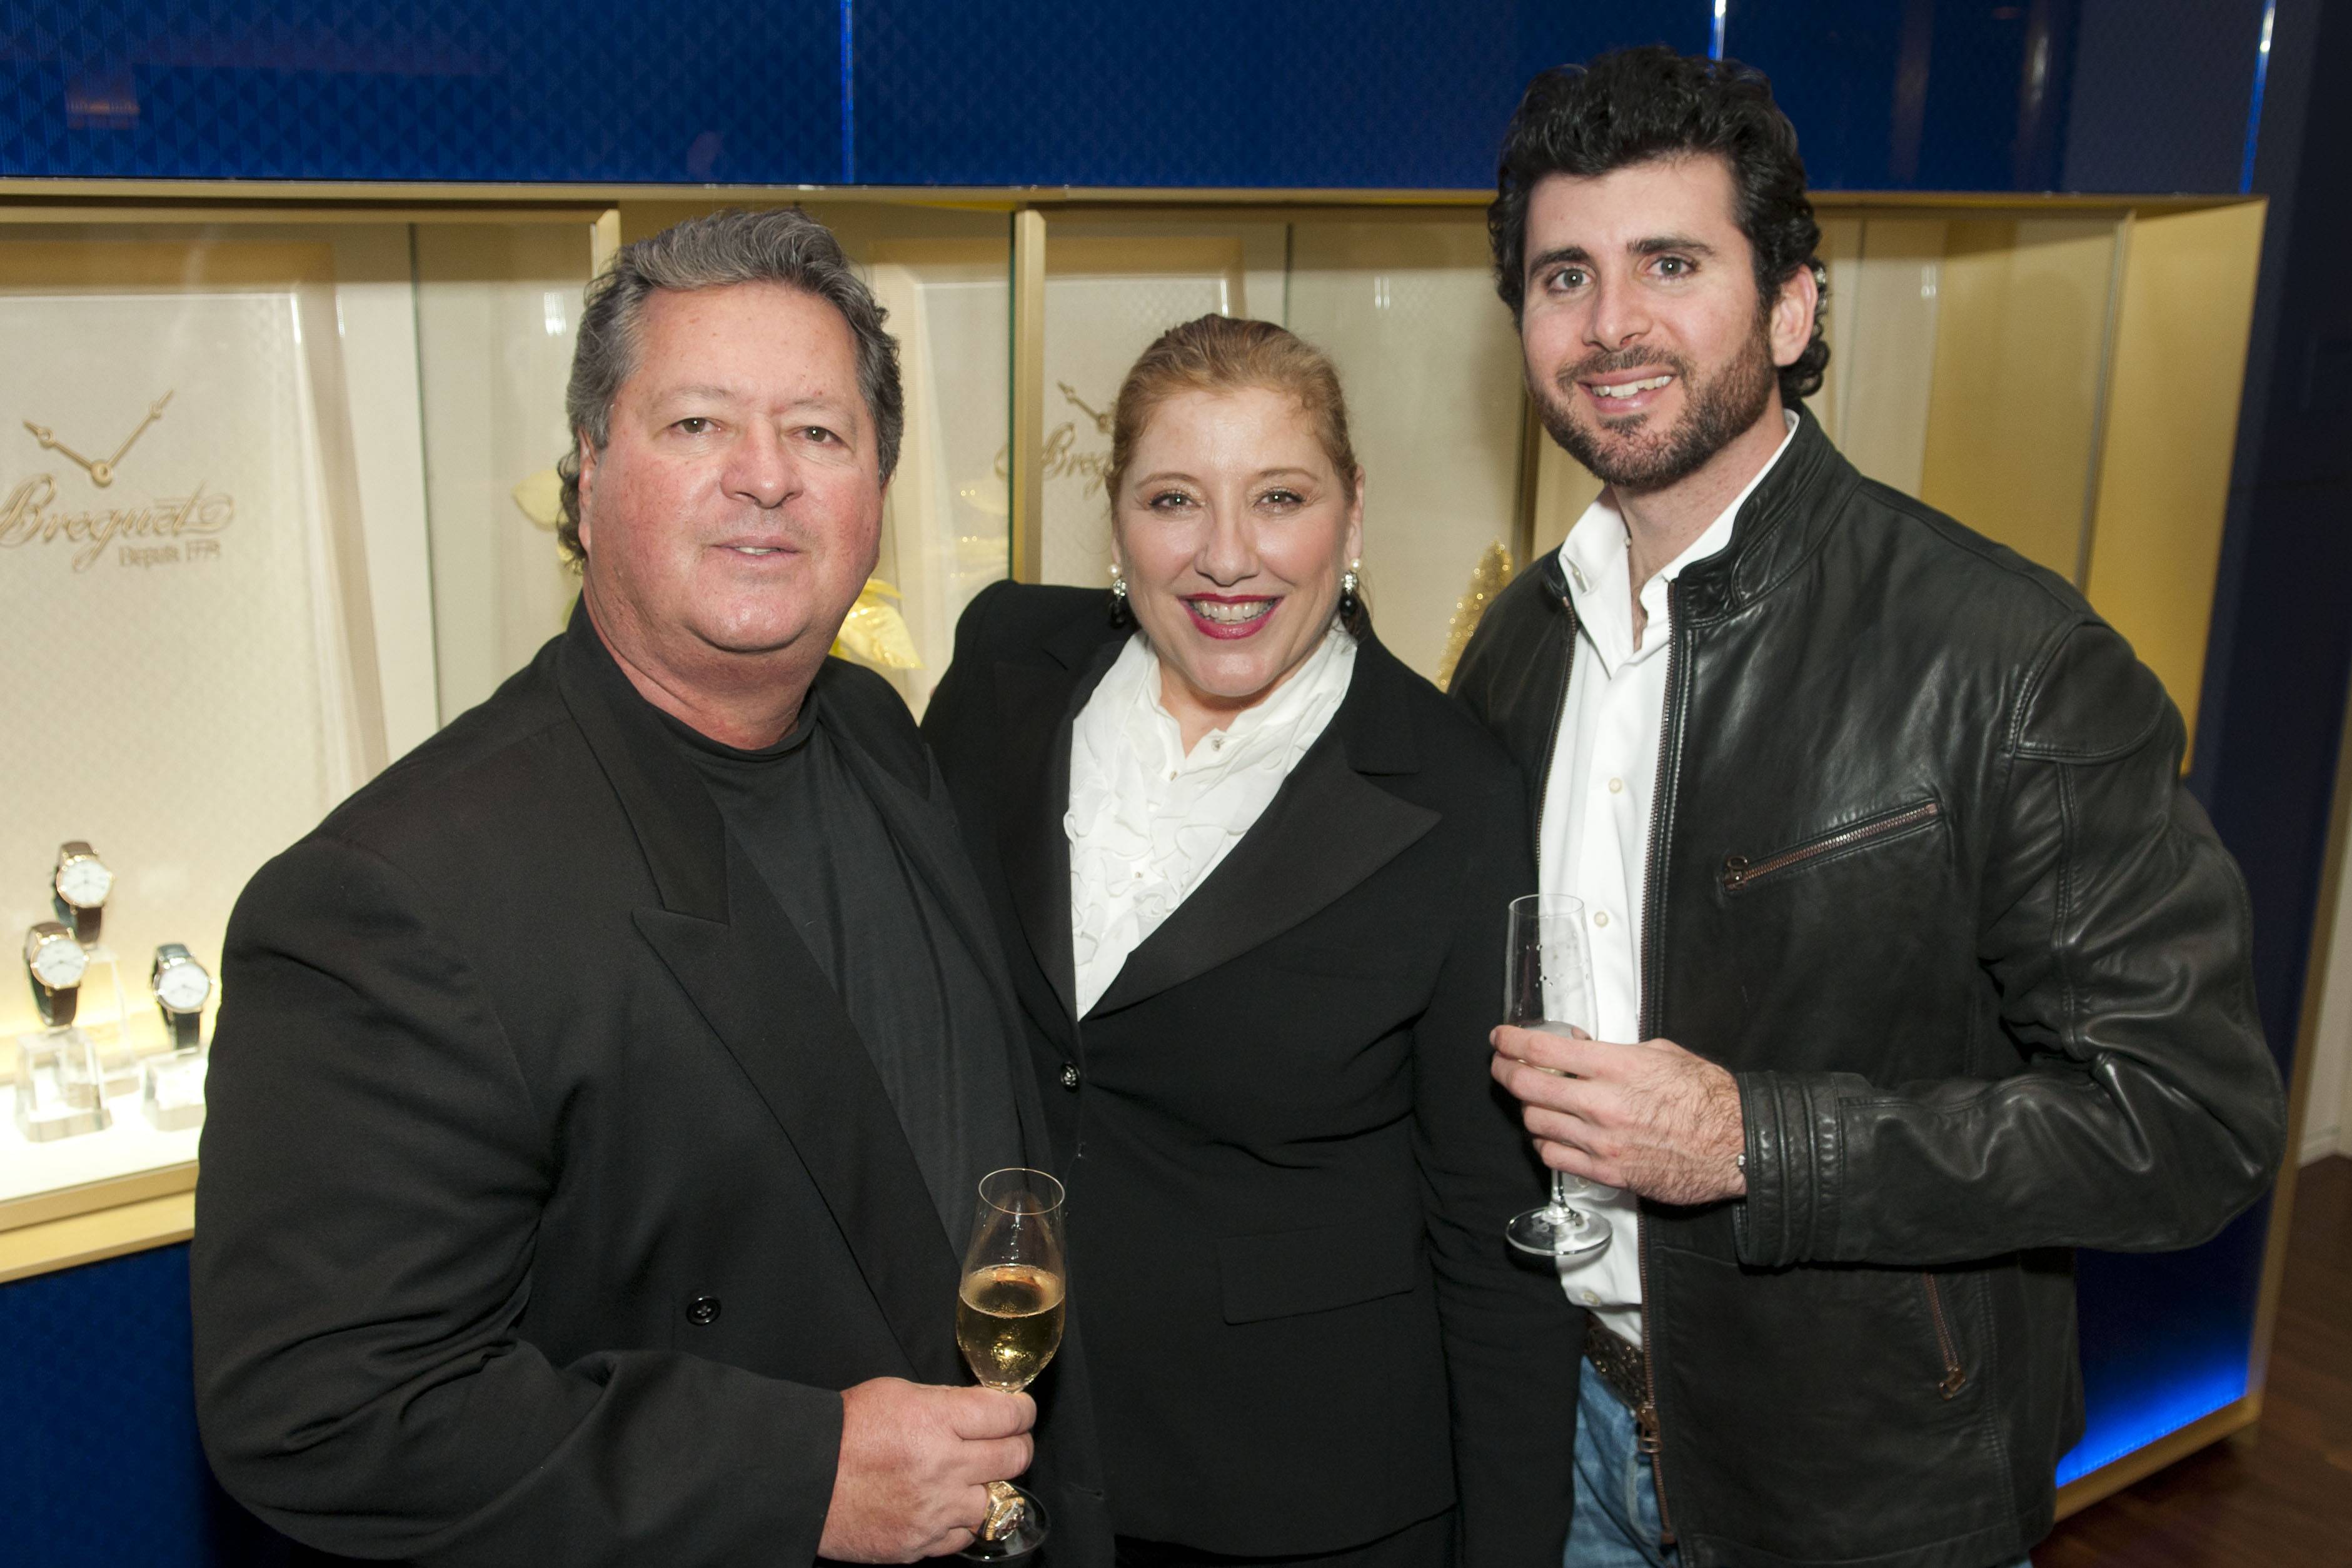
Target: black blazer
549,1194
1289,1169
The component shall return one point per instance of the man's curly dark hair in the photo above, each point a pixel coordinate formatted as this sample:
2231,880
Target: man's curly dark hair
1635,105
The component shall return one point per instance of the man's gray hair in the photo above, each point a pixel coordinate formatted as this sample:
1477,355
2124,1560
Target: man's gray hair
783,244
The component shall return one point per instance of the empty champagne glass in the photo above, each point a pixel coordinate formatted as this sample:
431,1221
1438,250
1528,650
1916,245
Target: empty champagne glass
1548,985
1009,1312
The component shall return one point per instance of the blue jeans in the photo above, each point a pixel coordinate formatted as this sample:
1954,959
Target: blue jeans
1616,1501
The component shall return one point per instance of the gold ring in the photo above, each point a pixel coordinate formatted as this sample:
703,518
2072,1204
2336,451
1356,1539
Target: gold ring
1006,1507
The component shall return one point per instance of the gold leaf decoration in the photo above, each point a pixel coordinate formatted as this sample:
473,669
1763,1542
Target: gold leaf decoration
541,497
875,632
1487,579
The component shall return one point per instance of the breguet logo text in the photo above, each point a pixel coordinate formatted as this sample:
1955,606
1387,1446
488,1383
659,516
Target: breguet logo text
1062,458
151,533
156,533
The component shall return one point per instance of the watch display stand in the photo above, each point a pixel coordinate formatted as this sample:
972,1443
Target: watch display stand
174,1097
58,1092
102,1017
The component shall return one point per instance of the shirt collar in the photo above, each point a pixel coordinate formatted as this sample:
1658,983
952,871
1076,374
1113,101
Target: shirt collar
1594,558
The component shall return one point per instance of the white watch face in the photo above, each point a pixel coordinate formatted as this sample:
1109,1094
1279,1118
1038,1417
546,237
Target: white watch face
84,883
184,986
58,964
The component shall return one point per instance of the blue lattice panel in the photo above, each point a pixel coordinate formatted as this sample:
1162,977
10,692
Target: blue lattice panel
97,1425
1215,93
421,89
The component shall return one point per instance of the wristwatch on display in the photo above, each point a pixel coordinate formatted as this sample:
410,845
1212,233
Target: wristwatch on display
182,988
56,961
81,883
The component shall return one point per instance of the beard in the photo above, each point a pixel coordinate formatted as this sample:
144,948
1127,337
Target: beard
1626,453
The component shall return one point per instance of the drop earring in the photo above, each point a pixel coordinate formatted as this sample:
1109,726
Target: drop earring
1121,613
1350,606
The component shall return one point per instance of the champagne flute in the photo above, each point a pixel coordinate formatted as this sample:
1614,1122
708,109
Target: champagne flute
1009,1312
1547,986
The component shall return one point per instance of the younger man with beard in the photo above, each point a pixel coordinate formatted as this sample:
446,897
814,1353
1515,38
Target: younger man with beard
1884,826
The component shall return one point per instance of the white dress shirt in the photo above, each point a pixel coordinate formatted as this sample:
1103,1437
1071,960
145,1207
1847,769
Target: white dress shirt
1147,823
1593,840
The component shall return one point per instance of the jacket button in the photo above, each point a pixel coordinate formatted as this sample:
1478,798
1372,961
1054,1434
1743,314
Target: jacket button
1070,1075
702,1310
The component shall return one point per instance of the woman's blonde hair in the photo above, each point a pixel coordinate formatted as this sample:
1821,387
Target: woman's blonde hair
1218,353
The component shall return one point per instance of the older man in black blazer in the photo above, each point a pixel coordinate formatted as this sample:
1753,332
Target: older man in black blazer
599,1094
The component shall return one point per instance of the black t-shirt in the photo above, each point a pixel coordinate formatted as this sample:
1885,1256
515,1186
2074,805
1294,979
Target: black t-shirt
909,982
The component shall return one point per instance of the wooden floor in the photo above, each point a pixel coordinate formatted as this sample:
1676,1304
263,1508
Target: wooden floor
2281,1495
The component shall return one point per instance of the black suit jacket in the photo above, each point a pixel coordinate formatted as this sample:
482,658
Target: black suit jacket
1289,1170
548,1191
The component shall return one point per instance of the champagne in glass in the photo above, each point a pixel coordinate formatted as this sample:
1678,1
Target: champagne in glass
1548,985
1009,1324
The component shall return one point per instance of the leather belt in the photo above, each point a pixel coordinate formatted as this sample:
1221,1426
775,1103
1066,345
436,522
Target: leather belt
1624,1370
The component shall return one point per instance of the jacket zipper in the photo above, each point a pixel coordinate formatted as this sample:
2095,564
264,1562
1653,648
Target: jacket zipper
1956,1376
1738,871
1551,742
1649,1438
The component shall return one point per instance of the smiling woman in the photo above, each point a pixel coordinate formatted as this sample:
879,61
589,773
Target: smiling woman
1259,871
1237,506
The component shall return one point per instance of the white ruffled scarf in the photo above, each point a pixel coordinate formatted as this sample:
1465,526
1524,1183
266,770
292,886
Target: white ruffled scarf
1146,823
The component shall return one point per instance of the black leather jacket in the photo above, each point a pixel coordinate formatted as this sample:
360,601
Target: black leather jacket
1922,875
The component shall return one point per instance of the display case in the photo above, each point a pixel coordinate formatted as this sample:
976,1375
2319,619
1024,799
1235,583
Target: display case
278,469
204,478
279,489
280,500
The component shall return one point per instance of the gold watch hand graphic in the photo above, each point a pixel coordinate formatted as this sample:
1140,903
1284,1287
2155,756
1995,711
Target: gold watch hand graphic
103,472
51,444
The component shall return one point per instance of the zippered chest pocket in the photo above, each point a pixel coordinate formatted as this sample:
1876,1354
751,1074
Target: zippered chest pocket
1741,872
1850,951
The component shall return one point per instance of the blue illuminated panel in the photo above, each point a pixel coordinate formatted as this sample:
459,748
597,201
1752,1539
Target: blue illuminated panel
1908,95
2038,95
1887,94
1216,93
422,89
2165,1338
1321,92
2131,1418
2164,93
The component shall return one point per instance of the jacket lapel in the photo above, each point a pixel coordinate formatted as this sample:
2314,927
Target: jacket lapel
735,954
1038,702
1327,829
757,987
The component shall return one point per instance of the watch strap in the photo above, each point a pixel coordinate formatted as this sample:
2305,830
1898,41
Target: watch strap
86,922
58,1007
